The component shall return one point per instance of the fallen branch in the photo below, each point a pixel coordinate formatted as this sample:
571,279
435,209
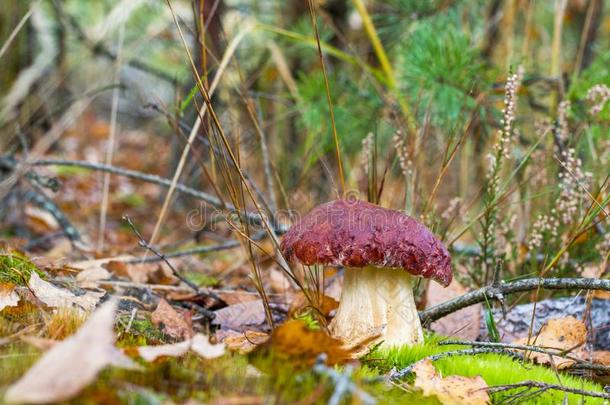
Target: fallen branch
402,373
144,243
44,203
150,178
580,364
494,292
545,387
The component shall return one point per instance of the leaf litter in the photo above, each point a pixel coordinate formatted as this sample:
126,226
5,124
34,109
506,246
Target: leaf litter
68,367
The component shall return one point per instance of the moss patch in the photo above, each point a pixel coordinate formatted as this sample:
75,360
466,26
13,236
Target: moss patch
495,369
16,268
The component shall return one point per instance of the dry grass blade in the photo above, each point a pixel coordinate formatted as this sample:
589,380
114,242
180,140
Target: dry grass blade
230,51
16,30
314,23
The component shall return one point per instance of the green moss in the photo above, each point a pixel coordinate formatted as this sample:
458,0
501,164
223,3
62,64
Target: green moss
495,369
132,200
16,268
141,332
201,279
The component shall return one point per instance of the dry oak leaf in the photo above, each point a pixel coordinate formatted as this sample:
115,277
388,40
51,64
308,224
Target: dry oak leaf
602,357
239,315
8,296
175,324
558,335
200,344
68,367
294,340
451,390
324,304
57,297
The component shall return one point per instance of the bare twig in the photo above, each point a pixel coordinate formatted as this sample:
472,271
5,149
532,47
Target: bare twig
46,204
142,242
398,374
546,350
545,387
196,250
150,178
493,292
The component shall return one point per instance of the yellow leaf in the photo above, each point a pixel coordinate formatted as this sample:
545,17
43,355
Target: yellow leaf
565,335
451,390
293,340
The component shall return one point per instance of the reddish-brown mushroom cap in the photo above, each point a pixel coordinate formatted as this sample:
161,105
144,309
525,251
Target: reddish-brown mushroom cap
358,234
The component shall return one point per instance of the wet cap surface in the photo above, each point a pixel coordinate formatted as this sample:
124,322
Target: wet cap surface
356,233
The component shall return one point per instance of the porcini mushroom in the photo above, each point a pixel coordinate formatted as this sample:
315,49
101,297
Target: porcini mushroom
382,251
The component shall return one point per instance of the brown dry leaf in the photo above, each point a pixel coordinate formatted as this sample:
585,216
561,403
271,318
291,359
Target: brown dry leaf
295,341
278,281
67,368
451,390
56,297
601,357
239,315
462,324
237,296
40,220
563,334
88,278
171,322
246,342
325,304
8,296
199,344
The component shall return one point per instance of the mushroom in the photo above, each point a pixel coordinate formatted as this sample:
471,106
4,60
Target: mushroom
383,251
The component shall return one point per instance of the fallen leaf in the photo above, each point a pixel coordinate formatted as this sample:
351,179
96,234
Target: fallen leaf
245,342
202,346
8,296
601,357
56,297
564,334
67,368
237,296
322,303
451,390
238,316
462,324
199,344
278,281
95,270
40,220
171,322
89,278
294,340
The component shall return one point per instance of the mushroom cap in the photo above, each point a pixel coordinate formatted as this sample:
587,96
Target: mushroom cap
356,233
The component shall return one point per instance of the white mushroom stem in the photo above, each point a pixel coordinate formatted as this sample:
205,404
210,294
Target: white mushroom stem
377,301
